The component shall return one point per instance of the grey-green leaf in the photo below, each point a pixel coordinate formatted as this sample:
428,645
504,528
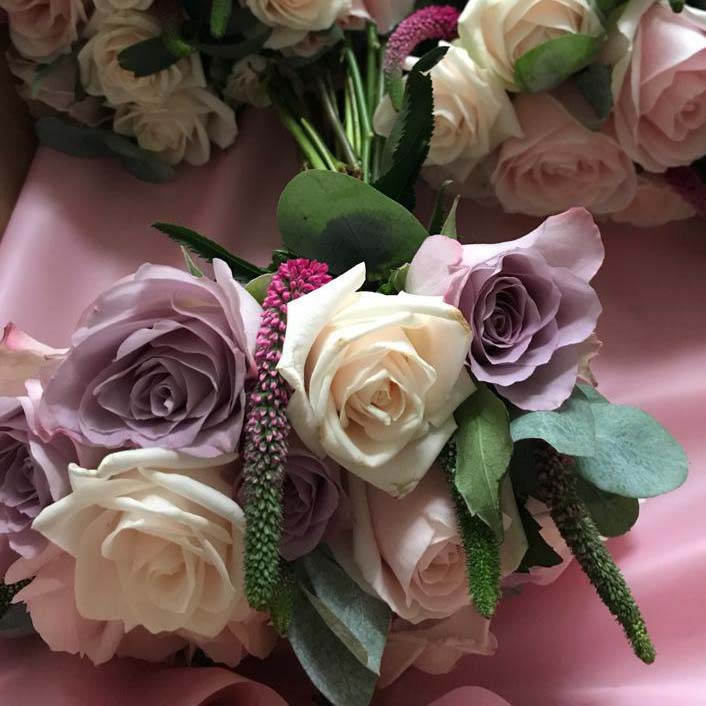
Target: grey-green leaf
550,64
569,429
484,448
330,665
342,221
614,515
358,619
635,456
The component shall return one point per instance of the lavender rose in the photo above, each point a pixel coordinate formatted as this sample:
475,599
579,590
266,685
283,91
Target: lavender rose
33,473
312,495
529,303
159,360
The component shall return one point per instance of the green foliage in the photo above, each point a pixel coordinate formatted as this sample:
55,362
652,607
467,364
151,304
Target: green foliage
484,449
209,250
83,141
677,5
557,487
408,145
220,14
594,84
282,603
153,55
258,286
449,229
550,64
436,222
614,515
337,631
342,221
480,545
635,456
539,553
396,282
191,267
235,50
569,429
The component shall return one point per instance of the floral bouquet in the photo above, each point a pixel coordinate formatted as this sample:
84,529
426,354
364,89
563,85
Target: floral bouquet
357,449
538,106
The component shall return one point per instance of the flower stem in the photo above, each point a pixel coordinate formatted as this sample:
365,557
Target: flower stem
557,488
310,152
480,545
372,68
328,158
334,121
366,131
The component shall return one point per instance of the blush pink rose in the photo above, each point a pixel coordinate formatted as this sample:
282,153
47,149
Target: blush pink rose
42,29
435,646
659,84
560,163
50,601
655,204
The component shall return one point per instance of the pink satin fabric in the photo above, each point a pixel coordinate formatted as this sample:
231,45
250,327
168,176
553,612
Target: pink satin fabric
80,225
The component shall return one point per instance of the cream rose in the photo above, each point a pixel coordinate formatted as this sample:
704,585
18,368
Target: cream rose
246,82
122,5
498,32
102,75
659,84
180,128
42,29
292,20
376,378
384,13
560,164
472,115
409,553
157,539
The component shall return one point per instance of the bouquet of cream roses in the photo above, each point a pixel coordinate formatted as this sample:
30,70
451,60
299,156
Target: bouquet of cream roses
355,449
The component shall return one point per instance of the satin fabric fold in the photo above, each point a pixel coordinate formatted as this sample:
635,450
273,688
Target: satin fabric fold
80,225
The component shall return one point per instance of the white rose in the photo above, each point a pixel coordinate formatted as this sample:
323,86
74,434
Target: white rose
498,32
102,75
246,82
292,20
180,128
157,539
472,115
122,5
376,378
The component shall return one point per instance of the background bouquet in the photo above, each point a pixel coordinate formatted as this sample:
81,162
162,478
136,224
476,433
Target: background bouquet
538,106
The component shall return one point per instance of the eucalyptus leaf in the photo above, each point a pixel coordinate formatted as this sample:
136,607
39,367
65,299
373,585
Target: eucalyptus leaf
359,620
614,515
149,56
539,552
484,449
548,65
209,250
569,429
258,286
342,221
330,665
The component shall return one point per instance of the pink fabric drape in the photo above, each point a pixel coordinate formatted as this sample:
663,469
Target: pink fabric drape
80,225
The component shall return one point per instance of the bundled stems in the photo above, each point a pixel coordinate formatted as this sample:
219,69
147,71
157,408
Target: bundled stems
557,488
331,114
481,547
361,107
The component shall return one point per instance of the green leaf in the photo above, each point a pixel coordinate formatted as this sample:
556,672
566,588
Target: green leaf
635,456
332,668
209,250
449,229
191,266
550,64
342,221
614,515
436,222
359,620
394,86
150,56
594,84
677,5
569,429
407,147
484,449
82,141
258,286
539,553
220,14
523,472
236,50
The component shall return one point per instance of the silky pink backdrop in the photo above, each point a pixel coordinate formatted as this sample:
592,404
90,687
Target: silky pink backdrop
80,225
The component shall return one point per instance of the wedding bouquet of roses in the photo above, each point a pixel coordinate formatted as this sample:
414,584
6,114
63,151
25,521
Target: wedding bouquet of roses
355,449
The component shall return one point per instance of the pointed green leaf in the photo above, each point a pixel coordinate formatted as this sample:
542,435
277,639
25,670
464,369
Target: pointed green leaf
258,286
436,222
484,449
220,14
550,64
153,55
342,221
449,229
191,266
209,250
